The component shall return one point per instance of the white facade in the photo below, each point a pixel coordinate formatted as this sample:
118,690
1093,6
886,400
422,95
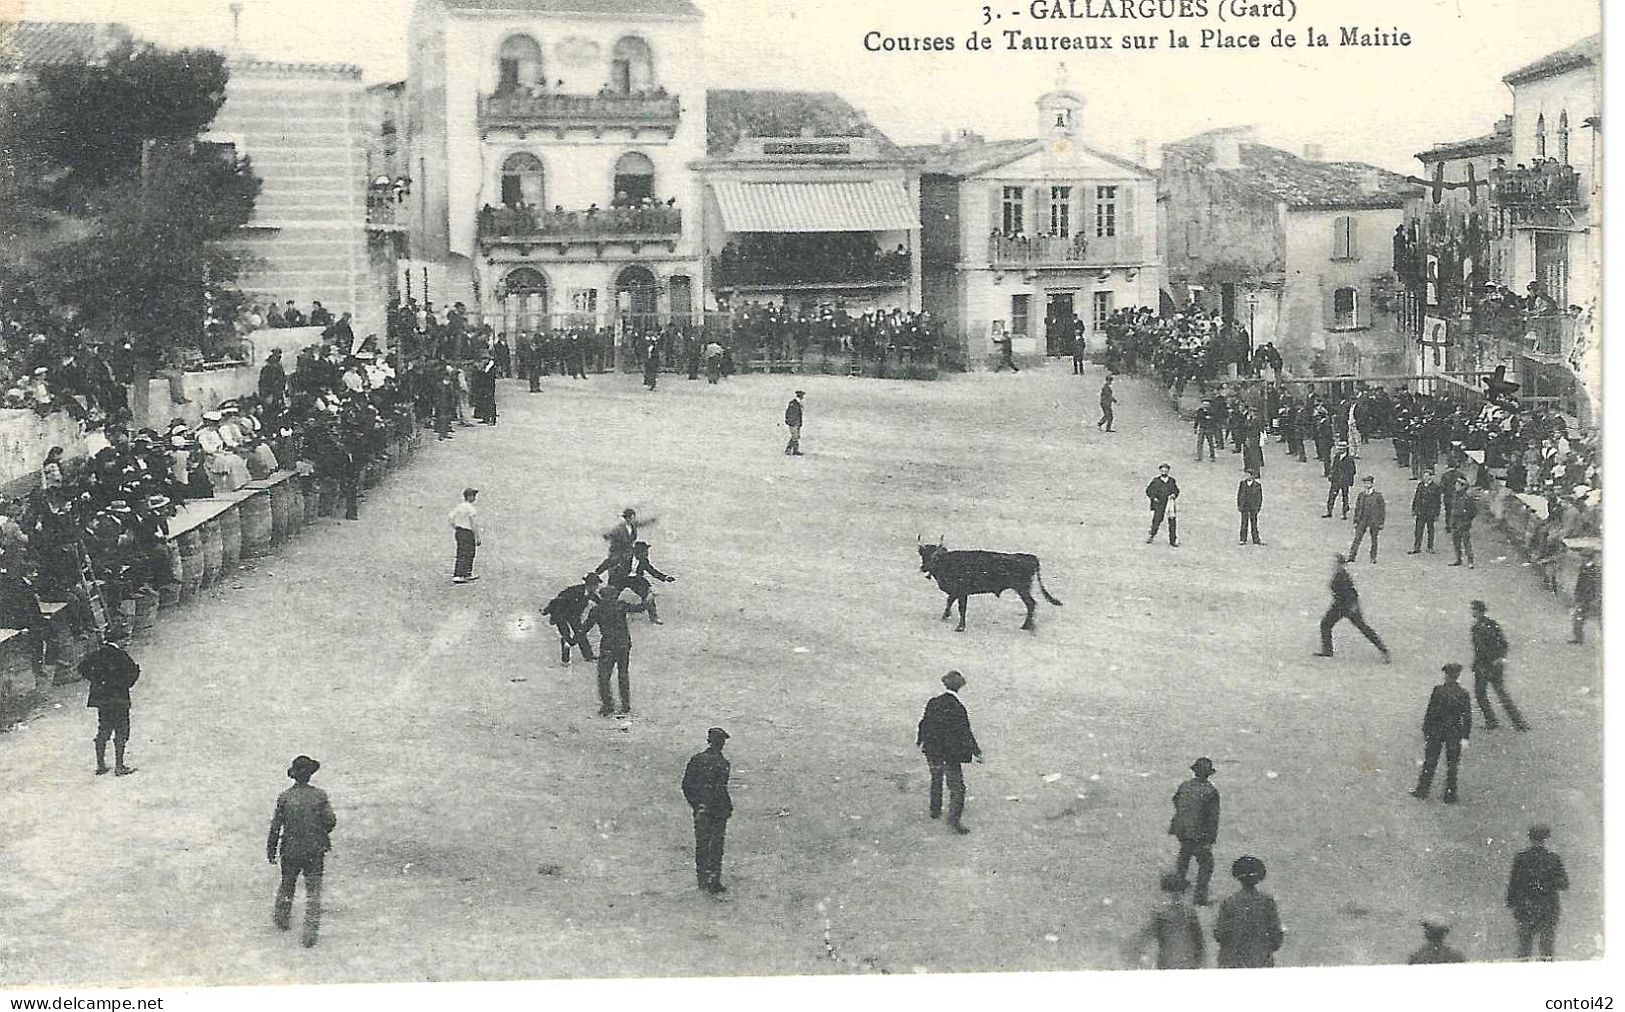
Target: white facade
1332,301
555,101
1057,233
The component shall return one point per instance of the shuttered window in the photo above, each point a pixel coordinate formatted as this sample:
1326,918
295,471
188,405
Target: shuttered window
1345,239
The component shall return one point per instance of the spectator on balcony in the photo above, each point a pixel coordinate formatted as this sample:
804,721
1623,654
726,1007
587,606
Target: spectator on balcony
319,316
291,316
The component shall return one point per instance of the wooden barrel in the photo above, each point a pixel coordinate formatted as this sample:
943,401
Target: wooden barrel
146,610
313,498
281,505
296,506
191,552
213,552
172,549
231,539
256,521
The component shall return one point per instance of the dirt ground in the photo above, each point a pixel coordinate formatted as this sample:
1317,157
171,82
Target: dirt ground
491,826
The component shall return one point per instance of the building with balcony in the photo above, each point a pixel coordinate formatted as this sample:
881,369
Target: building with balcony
1295,249
1451,249
549,147
1035,238
1548,202
807,203
307,128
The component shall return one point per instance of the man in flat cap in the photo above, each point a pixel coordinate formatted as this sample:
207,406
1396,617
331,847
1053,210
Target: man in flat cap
1196,826
1447,724
465,527
1248,927
705,785
110,672
1346,605
1435,951
1533,894
945,737
568,614
621,538
614,646
1490,650
300,828
792,421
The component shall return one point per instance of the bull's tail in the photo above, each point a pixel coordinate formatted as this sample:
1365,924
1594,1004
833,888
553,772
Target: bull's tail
1038,574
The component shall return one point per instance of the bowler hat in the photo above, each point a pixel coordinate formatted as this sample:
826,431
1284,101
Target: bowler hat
1202,765
1539,831
629,512
953,680
303,767
1435,931
1451,669
1248,869
716,734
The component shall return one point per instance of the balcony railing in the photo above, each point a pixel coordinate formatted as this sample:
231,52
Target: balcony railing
616,224
1548,193
1076,251
546,111
886,269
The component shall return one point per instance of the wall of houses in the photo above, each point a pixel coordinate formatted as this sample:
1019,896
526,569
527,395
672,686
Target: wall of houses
305,128
1576,92
1371,338
1217,232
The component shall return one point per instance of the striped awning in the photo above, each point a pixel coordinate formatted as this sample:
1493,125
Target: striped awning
876,205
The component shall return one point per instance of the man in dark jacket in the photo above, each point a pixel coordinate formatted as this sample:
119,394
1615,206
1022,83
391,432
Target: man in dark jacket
1533,894
1340,478
1108,400
1345,604
705,786
1587,596
110,673
614,648
1447,724
273,383
1463,510
1425,505
1249,501
946,739
300,828
568,614
1490,650
792,421
1163,492
1370,513
1248,927
1209,428
635,574
1196,826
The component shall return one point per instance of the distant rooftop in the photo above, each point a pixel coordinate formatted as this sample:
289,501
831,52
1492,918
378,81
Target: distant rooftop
1296,181
733,114
1498,141
31,45
1583,53
604,8
971,155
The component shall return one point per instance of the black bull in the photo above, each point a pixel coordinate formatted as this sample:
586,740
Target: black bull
961,574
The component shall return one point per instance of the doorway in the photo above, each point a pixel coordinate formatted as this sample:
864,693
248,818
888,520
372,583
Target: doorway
1060,324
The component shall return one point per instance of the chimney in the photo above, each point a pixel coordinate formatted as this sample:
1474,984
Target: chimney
1314,153
1141,151
1227,150
236,27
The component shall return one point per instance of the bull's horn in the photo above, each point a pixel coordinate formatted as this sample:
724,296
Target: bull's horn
919,538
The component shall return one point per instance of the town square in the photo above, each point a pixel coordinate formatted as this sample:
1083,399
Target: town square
596,514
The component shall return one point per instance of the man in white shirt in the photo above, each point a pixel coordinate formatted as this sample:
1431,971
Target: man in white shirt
465,527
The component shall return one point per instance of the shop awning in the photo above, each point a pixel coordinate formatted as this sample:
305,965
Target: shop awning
876,205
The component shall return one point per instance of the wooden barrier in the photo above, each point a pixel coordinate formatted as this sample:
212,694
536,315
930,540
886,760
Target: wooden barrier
255,514
191,553
213,551
231,538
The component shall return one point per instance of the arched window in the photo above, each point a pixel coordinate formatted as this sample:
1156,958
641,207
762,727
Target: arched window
1563,137
1540,136
523,297
522,181
634,178
636,291
519,64
632,67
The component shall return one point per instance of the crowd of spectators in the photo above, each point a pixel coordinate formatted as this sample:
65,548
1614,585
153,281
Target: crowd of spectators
1545,182
783,333
1189,346
809,258
624,216
47,365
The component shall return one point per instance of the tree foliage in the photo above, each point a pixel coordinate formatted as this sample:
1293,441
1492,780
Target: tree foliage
117,144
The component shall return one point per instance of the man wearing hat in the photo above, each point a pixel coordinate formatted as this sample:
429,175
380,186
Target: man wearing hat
1108,399
1196,826
1462,511
568,613
705,785
1489,668
792,421
1447,724
110,672
1587,595
300,827
1346,605
614,647
1248,927
1162,492
466,529
1533,894
1426,503
1340,478
621,538
1435,951
1175,928
273,382
945,737
1370,513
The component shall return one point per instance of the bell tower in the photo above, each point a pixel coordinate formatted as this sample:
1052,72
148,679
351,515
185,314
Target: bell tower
1060,116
